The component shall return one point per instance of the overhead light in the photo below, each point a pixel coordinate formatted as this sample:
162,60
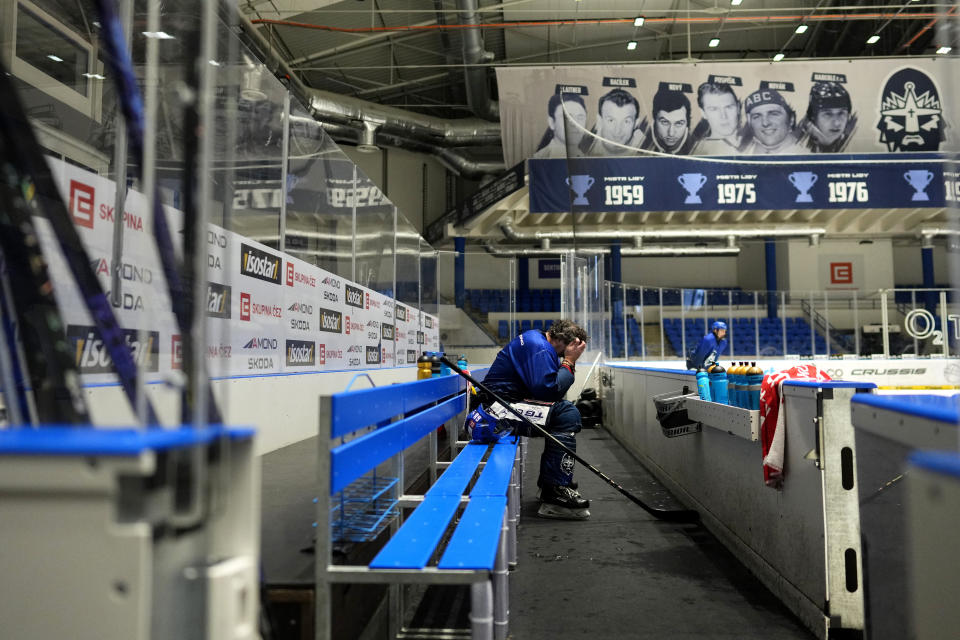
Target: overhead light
778,57
214,63
94,76
943,50
801,29
638,22
735,3
159,35
631,45
872,39
54,58
714,42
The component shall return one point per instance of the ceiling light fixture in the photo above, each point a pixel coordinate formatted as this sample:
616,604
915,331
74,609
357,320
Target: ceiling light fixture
801,29
638,22
778,57
872,39
714,42
54,58
159,35
735,3
94,76
631,45
943,50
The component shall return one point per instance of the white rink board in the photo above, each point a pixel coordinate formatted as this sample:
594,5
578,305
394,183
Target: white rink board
884,372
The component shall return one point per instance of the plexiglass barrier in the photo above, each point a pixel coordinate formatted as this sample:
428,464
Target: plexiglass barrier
274,177
664,323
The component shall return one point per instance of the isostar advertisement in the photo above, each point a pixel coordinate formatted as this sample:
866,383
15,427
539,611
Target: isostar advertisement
887,106
267,312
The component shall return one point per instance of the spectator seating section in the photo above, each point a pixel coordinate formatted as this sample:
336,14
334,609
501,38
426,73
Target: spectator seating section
634,339
479,527
743,333
530,301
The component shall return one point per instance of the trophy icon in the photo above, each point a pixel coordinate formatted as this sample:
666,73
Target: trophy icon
919,179
803,181
580,185
692,183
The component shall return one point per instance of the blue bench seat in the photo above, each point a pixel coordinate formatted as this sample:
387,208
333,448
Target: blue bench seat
463,529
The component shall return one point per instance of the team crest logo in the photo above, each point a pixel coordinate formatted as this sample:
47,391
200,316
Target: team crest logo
910,113
566,464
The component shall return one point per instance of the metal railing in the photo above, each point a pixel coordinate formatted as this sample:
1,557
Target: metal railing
665,323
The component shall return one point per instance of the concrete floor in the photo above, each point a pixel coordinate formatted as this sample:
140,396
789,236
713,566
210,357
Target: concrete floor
624,574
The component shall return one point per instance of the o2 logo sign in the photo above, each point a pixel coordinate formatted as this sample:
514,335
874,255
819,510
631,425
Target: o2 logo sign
921,324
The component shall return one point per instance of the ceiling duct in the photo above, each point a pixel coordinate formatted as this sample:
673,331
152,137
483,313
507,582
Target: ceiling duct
679,233
625,251
404,126
368,137
474,72
455,162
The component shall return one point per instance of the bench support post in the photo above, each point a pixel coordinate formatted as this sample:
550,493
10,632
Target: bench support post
501,592
481,611
513,513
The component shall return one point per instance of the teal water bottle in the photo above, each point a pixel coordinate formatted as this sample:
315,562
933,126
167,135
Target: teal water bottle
703,384
445,369
462,362
718,384
754,382
731,388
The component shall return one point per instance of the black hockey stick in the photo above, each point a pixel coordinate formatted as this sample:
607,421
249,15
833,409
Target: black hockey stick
178,280
667,515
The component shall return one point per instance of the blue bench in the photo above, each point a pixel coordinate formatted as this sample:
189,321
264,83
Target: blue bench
462,531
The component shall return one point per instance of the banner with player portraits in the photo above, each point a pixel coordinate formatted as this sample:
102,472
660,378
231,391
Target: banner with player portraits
267,312
863,106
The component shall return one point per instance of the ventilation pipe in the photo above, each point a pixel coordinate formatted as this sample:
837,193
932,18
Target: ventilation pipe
624,251
661,234
368,137
460,165
351,112
475,75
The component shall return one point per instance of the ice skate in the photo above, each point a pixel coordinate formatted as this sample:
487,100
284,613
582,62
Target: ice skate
563,503
573,485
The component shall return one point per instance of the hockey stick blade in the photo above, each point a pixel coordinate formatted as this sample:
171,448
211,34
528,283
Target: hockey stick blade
667,515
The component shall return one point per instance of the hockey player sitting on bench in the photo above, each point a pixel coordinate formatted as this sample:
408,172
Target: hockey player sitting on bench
537,368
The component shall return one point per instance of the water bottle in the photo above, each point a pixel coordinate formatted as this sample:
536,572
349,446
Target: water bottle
434,364
738,385
703,384
423,366
445,369
718,384
754,382
462,363
731,382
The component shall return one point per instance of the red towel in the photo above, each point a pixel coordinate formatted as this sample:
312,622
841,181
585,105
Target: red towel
772,427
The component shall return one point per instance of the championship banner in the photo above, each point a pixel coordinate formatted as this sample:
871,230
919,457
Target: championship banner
883,106
267,312
789,182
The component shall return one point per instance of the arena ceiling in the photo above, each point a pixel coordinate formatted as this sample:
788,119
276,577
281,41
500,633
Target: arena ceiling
409,54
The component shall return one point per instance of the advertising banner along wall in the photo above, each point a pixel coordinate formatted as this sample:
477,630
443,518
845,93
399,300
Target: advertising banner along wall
267,312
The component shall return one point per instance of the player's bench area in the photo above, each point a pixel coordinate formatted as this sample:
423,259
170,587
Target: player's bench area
462,530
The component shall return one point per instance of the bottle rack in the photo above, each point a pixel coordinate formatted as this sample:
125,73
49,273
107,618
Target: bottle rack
363,510
744,423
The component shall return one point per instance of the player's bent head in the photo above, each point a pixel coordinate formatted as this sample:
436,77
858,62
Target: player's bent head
567,331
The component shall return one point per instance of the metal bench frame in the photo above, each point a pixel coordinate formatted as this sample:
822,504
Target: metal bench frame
390,420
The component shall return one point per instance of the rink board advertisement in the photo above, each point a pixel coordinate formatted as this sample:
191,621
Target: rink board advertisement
667,184
267,311
887,106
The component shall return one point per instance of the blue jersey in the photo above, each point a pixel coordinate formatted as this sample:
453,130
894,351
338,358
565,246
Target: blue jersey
528,368
707,351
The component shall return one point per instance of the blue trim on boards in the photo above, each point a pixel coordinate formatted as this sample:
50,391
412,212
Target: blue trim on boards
931,407
945,462
618,365
63,440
